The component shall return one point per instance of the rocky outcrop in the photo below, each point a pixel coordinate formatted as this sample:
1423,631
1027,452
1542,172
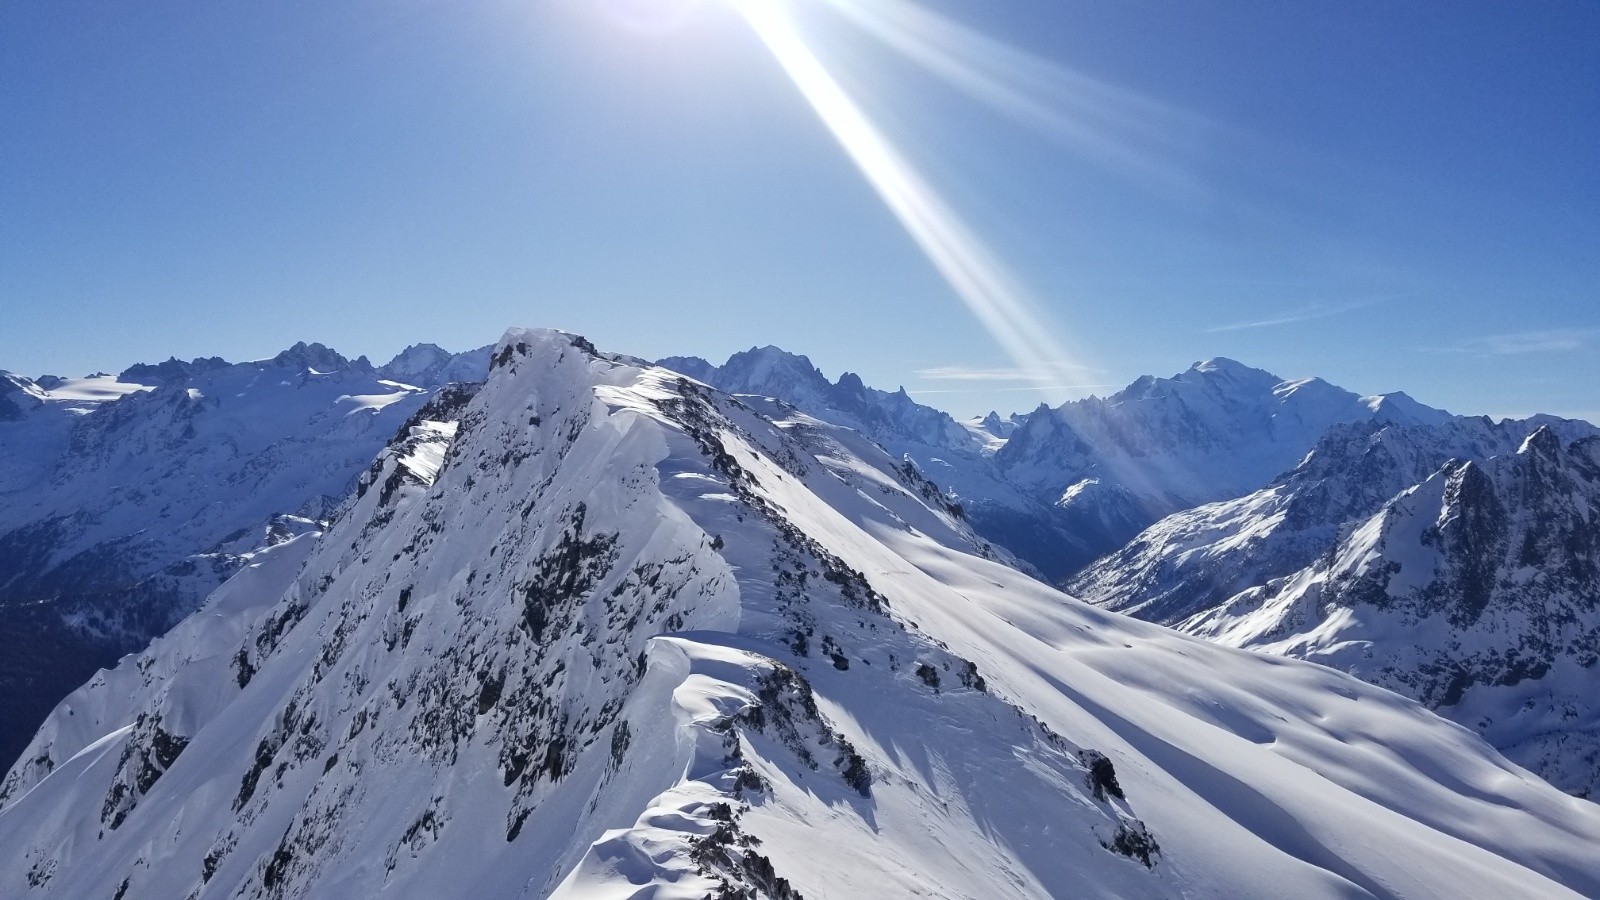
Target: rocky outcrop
1476,591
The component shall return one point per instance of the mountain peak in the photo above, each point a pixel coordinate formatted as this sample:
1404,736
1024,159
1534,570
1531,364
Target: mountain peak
693,366
417,356
1401,407
172,371
1222,365
318,358
774,351
772,356
1216,375
993,424
18,395
1543,441
429,365
773,372
536,342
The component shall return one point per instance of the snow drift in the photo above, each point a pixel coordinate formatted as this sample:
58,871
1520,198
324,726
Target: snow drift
599,630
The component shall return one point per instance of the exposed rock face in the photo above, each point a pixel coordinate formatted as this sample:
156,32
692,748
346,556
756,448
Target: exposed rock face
429,364
1220,430
579,634
123,502
1473,587
18,397
1062,487
173,371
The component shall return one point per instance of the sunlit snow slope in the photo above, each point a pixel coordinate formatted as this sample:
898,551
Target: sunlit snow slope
1061,487
1456,563
601,631
125,500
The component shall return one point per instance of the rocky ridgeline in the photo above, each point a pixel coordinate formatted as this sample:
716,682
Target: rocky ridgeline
125,501
595,629
1458,564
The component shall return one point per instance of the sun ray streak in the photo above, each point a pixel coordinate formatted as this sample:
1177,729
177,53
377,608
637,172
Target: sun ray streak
1116,128
1000,305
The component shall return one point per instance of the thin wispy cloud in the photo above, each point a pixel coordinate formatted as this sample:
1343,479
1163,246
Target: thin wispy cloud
1004,373
1011,315
1304,314
968,373
1555,340
1031,387
1111,125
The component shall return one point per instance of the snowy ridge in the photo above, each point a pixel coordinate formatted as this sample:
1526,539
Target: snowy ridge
1198,558
890,418
957,457
635,637
125,500
430,364
1219,430
1061,487
1455,564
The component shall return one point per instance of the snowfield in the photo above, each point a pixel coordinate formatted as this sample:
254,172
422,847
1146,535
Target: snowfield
125,500
599,630
1458,564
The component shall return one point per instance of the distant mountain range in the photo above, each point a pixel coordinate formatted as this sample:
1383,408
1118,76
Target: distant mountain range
125,500
1456,563
1062,487
539,620
1207,501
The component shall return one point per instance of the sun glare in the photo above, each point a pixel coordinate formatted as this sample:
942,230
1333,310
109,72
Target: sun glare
1116,129
971,269
650,16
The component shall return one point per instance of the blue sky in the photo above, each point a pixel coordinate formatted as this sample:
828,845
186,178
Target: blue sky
1392,196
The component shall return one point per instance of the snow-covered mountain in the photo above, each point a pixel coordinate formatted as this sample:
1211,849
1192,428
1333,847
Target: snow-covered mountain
1061,487
125,500
431,365
992,428
1456,563
957,457
887,417
596,630
1111,466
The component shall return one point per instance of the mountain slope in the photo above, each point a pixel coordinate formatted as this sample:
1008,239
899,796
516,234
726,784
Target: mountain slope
1219,430
959,458
124,501
602,632
1062,487
892,419
1457,564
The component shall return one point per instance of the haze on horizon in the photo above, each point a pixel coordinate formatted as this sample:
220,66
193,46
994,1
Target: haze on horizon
1391,198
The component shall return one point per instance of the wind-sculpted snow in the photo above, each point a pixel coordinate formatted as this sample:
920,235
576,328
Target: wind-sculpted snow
906,428
958,459
1457,564
602,631
124,501
1061,487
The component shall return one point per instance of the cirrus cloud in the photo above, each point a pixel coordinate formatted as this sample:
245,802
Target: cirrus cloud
1555,340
